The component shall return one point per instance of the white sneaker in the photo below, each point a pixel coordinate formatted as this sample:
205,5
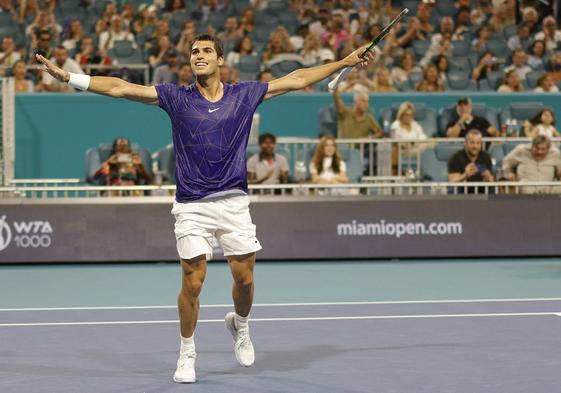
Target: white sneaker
243,348
185,372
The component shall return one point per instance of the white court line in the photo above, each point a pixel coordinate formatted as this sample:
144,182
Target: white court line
544,299
361,317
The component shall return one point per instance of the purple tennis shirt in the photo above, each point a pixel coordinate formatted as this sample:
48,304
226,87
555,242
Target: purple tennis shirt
210,138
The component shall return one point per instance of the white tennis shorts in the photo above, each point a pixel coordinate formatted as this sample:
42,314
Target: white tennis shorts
226,219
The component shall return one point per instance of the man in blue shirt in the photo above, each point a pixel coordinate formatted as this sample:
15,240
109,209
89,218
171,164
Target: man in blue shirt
211,121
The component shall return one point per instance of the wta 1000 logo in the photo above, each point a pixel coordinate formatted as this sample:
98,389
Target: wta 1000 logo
25,234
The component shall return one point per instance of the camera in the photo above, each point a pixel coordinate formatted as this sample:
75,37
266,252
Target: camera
124,158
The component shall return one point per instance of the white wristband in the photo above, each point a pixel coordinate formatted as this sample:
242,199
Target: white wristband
79,81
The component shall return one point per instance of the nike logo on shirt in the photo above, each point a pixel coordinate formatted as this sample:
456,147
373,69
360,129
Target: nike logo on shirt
212,110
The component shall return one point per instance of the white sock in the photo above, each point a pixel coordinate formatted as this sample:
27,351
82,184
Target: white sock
242,323
187,344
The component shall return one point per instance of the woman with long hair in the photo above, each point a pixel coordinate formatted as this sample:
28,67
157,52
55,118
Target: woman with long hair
537,53
382,82
545,84
431,80
407,65
511,83
405,127
327,166
244,47
543,123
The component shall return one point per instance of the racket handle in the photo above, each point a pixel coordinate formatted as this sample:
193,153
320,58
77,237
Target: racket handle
338,79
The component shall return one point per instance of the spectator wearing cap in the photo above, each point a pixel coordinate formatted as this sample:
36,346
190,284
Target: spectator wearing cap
471,164
535,162
167,72
356,122
267,167
550,34
464,121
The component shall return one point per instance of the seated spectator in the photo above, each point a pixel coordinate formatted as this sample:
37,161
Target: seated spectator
424,16
144,19
407,65
73,34
231,31
442,65
550,34
123,167
480,14
312,52
356,82
279,43
382,83
41,44
486,64
519,59
267,167
465,120
405,127
357,122
244,47
543,123
157,54
555,62
412,33
89,55
511,83
521,39
483,36
537,52
431,81
247,21
471,164
530,17
229,74
22,83
535,162
327,166
167,72
9,55
117,32
265,76
545,85
185,75
462,21
336,35
62,60
440,43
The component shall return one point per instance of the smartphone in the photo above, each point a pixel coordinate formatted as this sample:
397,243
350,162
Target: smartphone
124,158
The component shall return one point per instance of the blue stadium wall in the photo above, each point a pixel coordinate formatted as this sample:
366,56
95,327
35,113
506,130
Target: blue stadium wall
54,130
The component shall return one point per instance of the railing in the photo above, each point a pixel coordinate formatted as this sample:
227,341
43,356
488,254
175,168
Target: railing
385,187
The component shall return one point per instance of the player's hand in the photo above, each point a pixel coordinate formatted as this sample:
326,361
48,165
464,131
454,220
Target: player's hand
356,58
55,71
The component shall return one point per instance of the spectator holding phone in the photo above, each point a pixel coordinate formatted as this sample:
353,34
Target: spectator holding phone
123,167
471,164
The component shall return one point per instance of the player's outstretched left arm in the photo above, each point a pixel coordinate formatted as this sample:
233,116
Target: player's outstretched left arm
304,77
108,86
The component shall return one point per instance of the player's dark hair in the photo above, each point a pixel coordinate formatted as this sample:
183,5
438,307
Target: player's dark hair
264,137
218,46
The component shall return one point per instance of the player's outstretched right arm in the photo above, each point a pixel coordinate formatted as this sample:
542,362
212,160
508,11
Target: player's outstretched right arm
108,86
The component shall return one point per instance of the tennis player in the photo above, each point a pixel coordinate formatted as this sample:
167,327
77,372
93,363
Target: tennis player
211,121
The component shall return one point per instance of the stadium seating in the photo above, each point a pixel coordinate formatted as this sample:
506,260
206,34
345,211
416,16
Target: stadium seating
327,117
434,161
124,52
447,113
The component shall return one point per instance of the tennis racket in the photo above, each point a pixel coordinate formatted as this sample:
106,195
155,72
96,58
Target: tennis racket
343,74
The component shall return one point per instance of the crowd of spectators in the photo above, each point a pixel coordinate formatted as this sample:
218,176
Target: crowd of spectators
508,46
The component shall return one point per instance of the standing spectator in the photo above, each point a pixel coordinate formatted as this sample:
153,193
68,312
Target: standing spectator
511,83
244,47
185,75
537,53
327,166
73,35
117,32
522,38
356,122
44,20
538,162
231,32
471,164
167,73
519,60
27,11
464,120
550,34
431,81
22,83
61,60
545,85
407,65
543,123
336,35
9,55
267,167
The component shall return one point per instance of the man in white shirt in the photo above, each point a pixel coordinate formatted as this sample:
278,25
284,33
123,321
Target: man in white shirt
519,59
115,33
550,34
63,61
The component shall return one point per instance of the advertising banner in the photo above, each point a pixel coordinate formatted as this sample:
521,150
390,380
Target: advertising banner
292,230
